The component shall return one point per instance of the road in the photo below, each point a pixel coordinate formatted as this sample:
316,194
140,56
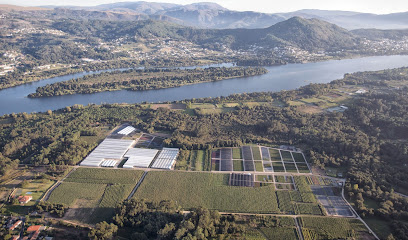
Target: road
137,185
356,214
49,191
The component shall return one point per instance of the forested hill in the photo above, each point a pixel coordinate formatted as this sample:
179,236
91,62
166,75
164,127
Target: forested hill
308,34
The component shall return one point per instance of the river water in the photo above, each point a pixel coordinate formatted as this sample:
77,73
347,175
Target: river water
286,77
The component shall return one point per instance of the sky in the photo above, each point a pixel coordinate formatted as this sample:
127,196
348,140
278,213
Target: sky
266,6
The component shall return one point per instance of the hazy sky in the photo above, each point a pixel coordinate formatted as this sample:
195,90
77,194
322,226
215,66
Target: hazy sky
267,6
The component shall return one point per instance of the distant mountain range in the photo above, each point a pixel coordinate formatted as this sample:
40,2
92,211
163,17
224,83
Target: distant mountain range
211,15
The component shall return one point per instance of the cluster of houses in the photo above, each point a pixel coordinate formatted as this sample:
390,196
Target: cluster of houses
15,225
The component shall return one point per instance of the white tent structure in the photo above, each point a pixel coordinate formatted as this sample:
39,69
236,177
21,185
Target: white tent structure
127,130
139,157
109,149
166,158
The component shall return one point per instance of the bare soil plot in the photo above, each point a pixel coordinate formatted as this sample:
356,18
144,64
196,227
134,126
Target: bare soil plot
249,166
144,140
265,154
247,153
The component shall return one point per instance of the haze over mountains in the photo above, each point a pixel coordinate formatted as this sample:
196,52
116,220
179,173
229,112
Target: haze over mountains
212,15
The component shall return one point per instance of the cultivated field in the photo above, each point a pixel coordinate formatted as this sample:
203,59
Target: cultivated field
92,193
209,190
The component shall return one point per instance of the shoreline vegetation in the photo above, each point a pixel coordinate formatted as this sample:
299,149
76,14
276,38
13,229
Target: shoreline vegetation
143,79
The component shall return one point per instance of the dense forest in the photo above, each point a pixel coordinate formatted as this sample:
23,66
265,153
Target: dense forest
146,79
368,140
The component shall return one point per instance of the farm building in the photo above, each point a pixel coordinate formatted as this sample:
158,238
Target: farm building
24,199
109,149
166,159
139,157
127,130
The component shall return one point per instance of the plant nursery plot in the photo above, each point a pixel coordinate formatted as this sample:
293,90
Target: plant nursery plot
246,153
236,153
256,153
283,179
303,168
286,156
193,189
268,167
226,153
265,153
264,178
278,167
215,154
238,165
259,166
290,167
226,165
298,157
215,165
308,208
249,166
274,154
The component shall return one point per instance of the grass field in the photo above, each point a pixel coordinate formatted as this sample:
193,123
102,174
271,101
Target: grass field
36,188
258,166
380,226
68,192
256,153
209,190
236,153
238,165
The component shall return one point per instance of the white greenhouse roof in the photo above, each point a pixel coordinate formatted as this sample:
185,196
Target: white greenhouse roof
127,130
166,158
109,163
139,157
108,149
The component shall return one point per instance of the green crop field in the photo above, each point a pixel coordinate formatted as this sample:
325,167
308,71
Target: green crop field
256,153
323,228
258,166
193,189
107,176
238,165
275,156
68,192
298,157
289,233
303,168
278,167
286,156
97,189
290,167
236,153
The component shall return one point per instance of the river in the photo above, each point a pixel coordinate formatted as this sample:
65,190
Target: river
285,77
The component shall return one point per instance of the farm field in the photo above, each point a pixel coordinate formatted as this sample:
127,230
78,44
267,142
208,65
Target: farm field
208,190
92,193
322,228
236,153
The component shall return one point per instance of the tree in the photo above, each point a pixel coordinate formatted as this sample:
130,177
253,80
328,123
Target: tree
103,231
